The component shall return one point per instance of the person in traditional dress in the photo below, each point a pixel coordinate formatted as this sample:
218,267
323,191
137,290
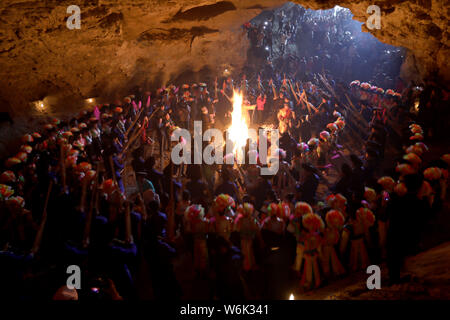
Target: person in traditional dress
357,231
331,265
273,222
221,223
198,226
323,151
248,227
387,184
285,116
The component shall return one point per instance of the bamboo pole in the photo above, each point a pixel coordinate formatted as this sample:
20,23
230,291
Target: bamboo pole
275,95
135,135
293,92
226,96
171,213
40,233
83,194
360,117
128,233
134,122
305,98
87,226
63,166
353,111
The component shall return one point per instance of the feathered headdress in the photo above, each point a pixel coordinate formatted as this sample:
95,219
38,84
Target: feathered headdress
7,177
369,194
313,222
387,183
302,208
366,216
335,219
223,201
433,173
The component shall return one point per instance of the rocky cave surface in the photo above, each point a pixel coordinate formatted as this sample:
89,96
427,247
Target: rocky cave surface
126,43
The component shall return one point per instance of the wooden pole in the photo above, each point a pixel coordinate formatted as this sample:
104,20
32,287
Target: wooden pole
293,92
144,208
171,213
83,194
226,96
134,122
87,226
63,166
275,96
40,233
357,114
134,136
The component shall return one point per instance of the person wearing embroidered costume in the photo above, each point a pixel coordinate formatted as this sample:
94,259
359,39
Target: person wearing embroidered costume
310,278
358,232
434,186
285,116
364,91
284,211
337,202
273,222
198,227
370,197
312,154
248,227
295,227
331,265
283,177
323,150
221,222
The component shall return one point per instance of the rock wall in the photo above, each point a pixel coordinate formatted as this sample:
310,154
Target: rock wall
150,42
118,46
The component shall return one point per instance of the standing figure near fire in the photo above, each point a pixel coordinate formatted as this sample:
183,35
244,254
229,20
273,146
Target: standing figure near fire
285,115
358,232
331,265
313,240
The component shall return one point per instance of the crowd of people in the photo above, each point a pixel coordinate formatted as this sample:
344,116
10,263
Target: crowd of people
64,201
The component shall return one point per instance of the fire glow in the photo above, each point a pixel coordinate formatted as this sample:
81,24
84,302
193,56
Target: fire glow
238,131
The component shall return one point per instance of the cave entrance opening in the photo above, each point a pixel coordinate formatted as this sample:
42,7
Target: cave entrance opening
299,42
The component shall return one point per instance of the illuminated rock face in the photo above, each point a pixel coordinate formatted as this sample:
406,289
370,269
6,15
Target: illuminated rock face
150,42
418,25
